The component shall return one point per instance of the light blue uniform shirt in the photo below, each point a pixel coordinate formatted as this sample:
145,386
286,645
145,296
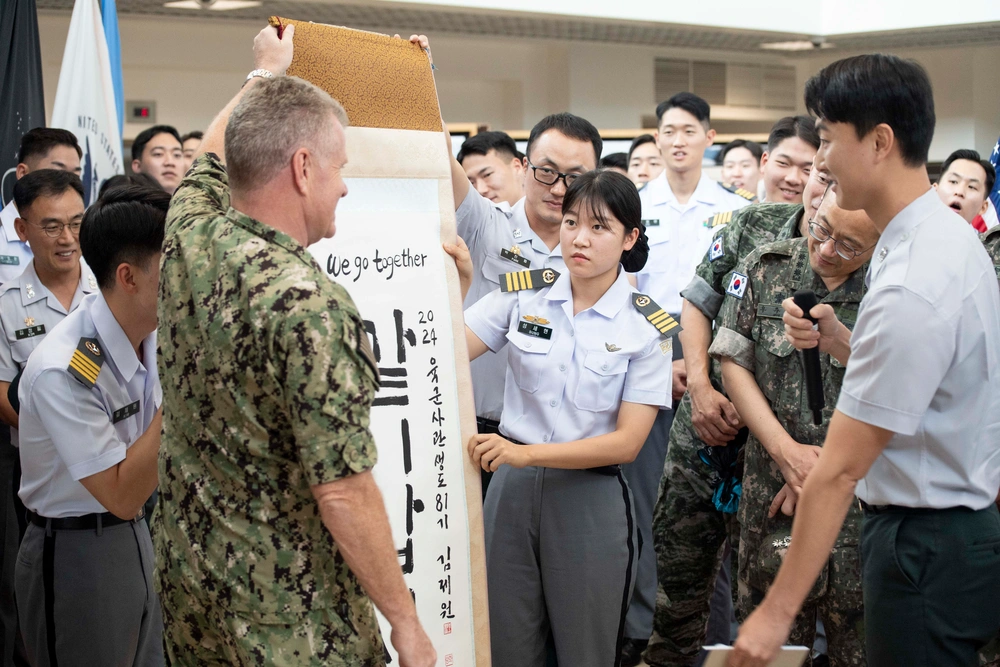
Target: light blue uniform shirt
925,363
570,386
678,236
70,431
15,254
487,229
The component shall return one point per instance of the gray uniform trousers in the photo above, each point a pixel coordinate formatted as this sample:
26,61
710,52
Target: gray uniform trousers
561,549
103,608
643,477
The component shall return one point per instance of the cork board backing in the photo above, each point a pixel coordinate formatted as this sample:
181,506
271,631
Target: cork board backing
399,94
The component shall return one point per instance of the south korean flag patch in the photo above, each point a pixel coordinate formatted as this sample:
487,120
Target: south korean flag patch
737,285
715,252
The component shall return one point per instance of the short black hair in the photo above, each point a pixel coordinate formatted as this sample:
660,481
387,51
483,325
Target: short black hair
572,126
44,183
614,160
118,180
605,191
139,145
689,102
125,225
752,146
484,142
639,141
39,141
972,156
803,127
865,91
195,134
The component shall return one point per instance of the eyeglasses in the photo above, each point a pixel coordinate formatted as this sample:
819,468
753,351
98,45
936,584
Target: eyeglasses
55,229
822,234
548,176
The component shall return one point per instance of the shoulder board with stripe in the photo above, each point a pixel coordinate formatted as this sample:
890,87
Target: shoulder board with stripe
658,317
527,280
719,219
85,365
746,194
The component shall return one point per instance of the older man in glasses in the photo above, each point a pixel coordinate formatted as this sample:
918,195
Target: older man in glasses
764,378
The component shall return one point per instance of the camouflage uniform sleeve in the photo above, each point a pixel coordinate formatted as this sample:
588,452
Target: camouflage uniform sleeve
739,313
330,381
706,290
203,191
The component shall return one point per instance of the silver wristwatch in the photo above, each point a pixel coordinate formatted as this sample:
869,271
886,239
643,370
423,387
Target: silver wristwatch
259,72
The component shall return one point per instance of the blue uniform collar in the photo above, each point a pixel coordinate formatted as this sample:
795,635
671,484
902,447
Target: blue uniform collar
607,306
116,344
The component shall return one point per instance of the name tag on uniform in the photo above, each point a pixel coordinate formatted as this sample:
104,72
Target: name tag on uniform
652,222
535,330
12,260
124,413
514,257
774,310
30,332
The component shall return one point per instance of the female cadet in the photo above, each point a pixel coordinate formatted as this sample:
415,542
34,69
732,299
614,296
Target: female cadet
586,376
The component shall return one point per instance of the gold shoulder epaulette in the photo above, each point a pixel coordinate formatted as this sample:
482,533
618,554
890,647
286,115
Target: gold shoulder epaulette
719,219
522,280
658,317
746,194
85,365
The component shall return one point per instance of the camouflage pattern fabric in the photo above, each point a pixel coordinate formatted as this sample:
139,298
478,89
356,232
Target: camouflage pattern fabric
268,383
688,531
991,239
752,334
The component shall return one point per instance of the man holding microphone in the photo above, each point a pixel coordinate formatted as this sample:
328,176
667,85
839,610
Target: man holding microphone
915,434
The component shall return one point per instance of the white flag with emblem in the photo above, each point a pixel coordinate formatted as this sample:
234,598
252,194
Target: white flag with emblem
85,98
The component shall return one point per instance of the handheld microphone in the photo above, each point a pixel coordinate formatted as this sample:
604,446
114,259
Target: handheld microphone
806,300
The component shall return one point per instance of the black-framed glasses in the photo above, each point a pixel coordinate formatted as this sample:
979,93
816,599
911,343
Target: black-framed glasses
55,229
549,176
845,250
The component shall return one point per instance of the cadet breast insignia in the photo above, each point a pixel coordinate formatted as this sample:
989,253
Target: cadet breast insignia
658,317
535,320
29,321
715,252
746,194
522,280
737,285
85,365
719,219
514,255
611,347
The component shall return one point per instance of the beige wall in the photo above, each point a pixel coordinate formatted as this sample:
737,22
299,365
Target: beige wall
191,68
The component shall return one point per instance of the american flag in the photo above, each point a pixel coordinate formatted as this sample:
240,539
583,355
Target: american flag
995,161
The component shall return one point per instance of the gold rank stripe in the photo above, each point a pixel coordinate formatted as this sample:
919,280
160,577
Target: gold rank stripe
723,219
662,321
519,280
84,366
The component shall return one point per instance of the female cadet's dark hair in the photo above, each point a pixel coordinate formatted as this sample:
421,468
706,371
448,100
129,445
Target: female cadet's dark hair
607,191
865,91
125,225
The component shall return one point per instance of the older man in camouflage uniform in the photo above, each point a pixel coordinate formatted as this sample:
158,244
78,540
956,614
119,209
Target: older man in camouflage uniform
765,380
271,528
689,532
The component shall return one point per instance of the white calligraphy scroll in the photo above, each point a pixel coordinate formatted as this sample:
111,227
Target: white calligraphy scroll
387,253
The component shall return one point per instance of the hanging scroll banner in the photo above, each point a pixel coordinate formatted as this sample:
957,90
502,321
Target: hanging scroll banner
387,254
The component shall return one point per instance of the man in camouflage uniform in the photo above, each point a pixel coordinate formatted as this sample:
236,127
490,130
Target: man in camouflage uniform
766,383
689,532
271,529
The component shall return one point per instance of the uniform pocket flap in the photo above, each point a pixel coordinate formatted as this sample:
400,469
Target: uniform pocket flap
529,344
606,363
771,336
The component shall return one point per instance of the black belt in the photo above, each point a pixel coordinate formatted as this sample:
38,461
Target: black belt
901,509
85,522
609,471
